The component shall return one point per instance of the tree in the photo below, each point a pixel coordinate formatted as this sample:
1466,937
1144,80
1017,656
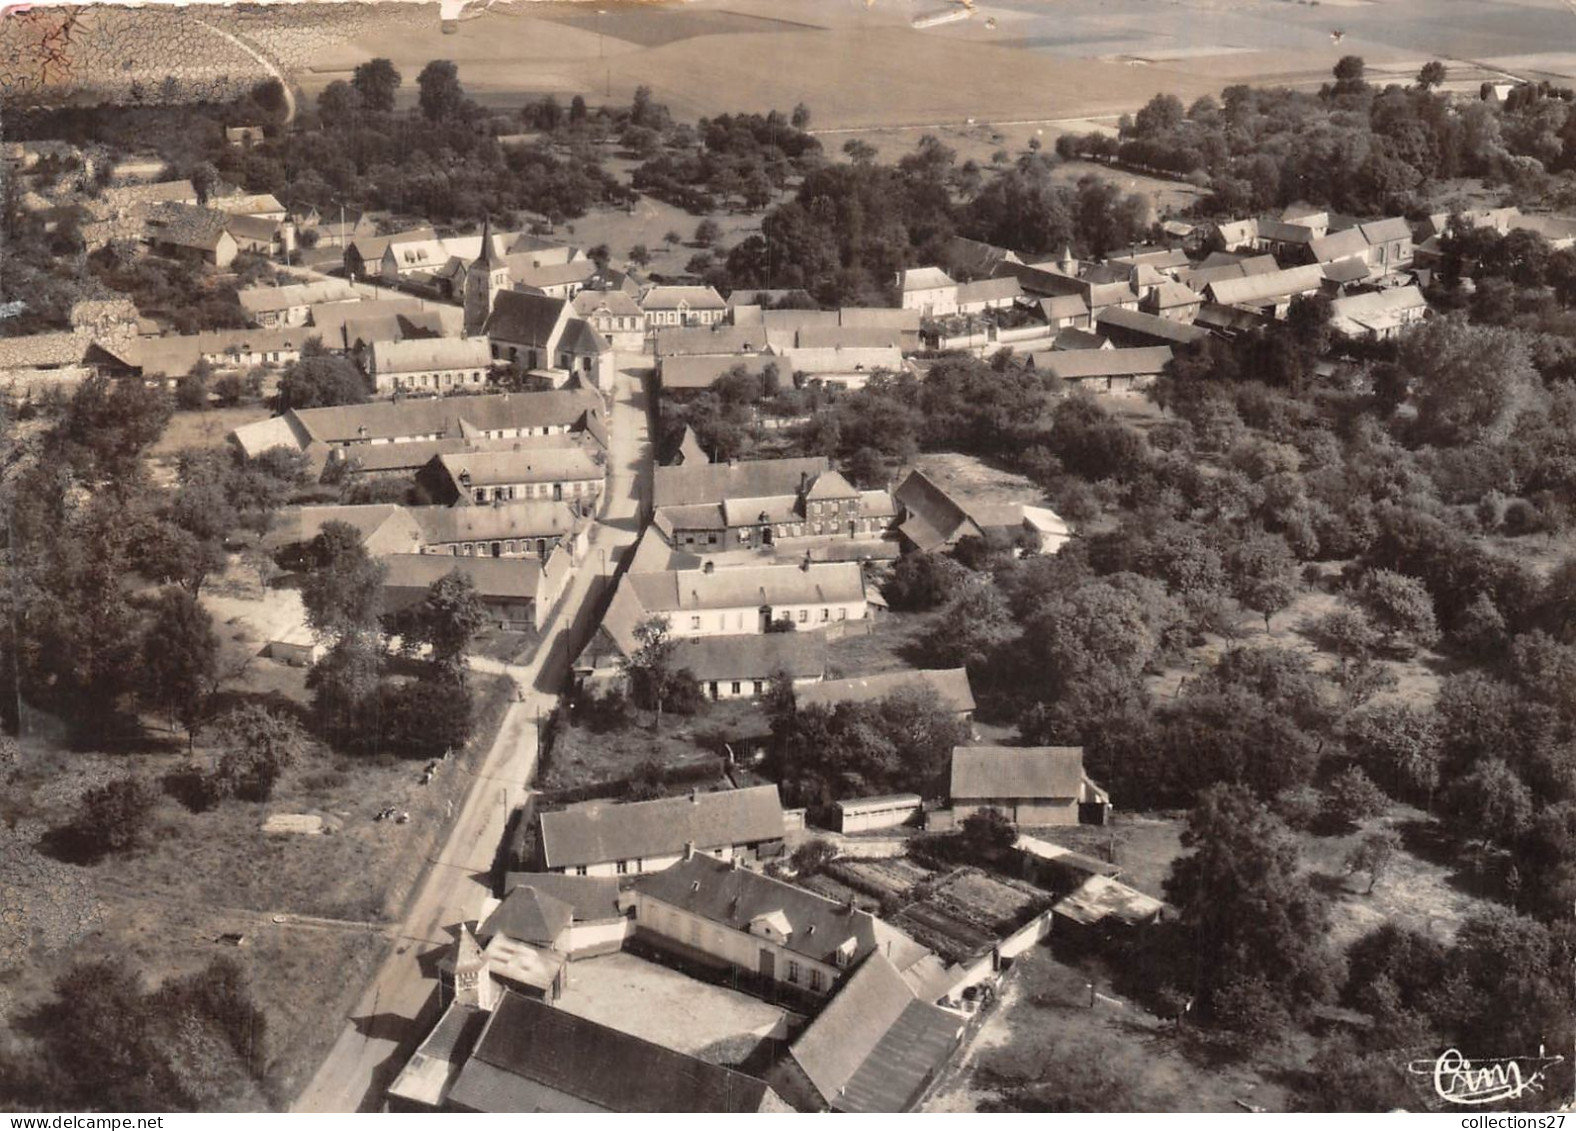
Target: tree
577,109
343,592
319,381
1399,605
1399,745
1374,855
601,255
922,581
1491,803
204,178
113,817
1349,70
1472,383
652,667
1247,909
422,718
973,625
707,232
640,255
180,657
1433,74
812,856
1353,797
191,391
441,95
801,116
338,103
988,834
375,81
259,745
446,619
860,152
1264,574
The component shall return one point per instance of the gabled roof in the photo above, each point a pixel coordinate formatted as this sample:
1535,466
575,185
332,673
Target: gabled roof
676,298
1268,287
528,915
525,318
984,772
692,484
426,354
609,831
850,337
1149,327
255,228
695,590
1338,245
1057,307
884,317
385,528
409,575
947,687
524,463
1101,897
974,258
720,658
689,451
590,899
876,1046
589,302
1350,270
934,518
1002,289
533,1057
448,416
1168,295
516,518
581,339
674,340
1386,230
529,274
702,371
735,897
1238,231
925,279
433,1067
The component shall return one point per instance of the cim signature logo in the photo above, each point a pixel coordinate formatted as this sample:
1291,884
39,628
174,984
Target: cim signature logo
1471,1083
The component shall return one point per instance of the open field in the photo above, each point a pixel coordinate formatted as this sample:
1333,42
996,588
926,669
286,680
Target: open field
589,750
886,647
205,429
1014,61
1042,1033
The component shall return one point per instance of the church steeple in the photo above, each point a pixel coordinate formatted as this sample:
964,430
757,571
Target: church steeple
484,278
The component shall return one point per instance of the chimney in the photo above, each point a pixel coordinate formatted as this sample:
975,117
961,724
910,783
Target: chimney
689,850
695,795
804,482
805,565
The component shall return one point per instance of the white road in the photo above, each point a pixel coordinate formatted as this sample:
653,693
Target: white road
397,1007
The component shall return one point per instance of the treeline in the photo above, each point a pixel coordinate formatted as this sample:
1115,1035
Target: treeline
745,158
1352,146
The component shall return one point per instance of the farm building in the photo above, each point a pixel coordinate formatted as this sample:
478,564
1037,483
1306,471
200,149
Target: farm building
888,811
1030,785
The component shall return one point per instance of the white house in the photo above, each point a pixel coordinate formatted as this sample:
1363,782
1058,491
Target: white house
632,838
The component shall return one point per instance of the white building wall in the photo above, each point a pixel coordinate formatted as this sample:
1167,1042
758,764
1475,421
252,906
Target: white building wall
738,948
734,621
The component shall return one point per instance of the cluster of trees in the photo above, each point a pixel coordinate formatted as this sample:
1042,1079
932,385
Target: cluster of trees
1352,146
1251,952
744,158
83,637
359,702
818,754
105,1042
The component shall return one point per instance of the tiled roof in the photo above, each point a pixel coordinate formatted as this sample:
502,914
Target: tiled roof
876,1046
941,518
1267,287
854,337
691,484
409,575
801,654
948,688
1386,230
609,831
263,300
590,898
981,772
735,897
419,416
1338,245
589,302
748,586
515,518
425,354
533,1057
528,915
926,279
1005,288
1149,326
702,371
674,298
675,340
385,528
524,318
527,463
432,1068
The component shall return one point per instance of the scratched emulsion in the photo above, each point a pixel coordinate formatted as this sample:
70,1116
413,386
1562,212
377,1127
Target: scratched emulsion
167,54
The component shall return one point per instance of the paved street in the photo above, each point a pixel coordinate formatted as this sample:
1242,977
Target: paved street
394,1012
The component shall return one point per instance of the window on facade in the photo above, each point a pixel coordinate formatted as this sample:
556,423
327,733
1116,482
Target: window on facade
737,687
580,870
758,687
694,624
842,614
623,867
481,494
816,981
793,971
804,615
826,614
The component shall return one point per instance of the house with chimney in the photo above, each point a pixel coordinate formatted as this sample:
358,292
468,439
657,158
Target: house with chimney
539,333
749,504
778,938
